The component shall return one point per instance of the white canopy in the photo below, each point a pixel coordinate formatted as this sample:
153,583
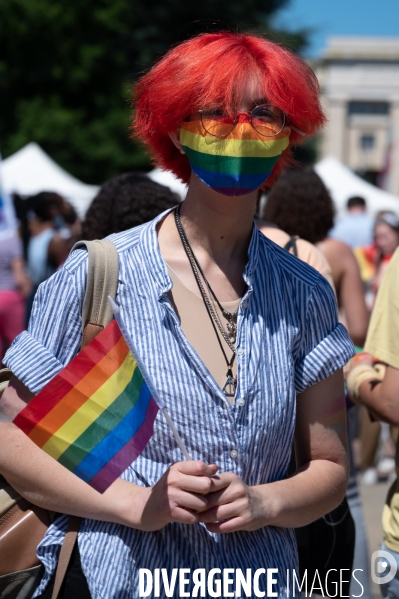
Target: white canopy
170,180
342,183
31,170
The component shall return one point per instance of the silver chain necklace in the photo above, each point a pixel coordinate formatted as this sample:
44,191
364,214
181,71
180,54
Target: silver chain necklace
229,388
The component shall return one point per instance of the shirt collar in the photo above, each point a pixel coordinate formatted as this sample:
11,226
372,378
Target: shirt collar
253,257
152,255
157,266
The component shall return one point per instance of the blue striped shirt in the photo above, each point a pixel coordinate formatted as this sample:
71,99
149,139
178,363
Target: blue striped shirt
288,339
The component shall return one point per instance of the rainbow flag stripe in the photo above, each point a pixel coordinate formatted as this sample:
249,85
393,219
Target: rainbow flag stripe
236,164
96,416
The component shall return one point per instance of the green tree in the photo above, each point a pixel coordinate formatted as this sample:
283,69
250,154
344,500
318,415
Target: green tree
67,69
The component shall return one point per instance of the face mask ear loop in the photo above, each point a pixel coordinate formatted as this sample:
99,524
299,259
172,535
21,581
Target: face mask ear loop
297,130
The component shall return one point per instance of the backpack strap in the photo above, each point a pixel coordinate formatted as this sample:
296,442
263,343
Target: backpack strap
102,280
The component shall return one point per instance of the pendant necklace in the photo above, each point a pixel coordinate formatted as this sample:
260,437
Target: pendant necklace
230,385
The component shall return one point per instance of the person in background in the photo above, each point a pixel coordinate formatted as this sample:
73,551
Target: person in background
68,225
299,203
125,202
374,383
386,240
356,227
46,250
15,287
373,260
300,248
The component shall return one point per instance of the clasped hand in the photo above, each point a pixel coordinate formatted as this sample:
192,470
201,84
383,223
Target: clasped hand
191,492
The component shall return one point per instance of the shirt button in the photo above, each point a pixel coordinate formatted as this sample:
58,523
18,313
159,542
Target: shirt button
249,279
240,352
244,304
241,402
233,454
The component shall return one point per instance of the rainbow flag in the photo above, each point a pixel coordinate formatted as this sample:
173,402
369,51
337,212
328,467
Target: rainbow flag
220,163
96,416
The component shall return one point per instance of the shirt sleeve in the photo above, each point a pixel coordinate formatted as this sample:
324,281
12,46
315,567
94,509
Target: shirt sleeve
383,332
55,328
325,345
314,257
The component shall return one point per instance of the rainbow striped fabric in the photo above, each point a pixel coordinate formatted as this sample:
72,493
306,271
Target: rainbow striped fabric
96,416
236,164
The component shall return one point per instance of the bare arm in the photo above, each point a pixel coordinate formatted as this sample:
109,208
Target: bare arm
351,297
382,398
349,287
316,488
177,496
21,279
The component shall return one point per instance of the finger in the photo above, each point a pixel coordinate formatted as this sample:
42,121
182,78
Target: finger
193,484
227,526
230,493
222,497
195,468
183,516
221,481
191,501
221,512
362,358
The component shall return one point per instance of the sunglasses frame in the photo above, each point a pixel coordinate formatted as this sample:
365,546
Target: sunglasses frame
235,121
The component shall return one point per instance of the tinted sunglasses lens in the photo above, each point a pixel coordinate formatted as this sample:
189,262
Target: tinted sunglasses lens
268,120
216,123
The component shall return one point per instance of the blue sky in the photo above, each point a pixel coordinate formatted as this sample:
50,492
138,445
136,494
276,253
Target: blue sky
340,17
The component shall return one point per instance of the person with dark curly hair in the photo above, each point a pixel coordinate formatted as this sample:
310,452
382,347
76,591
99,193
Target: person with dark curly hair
299,203
124,202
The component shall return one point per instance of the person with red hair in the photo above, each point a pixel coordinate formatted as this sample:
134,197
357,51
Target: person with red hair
217,70
240,338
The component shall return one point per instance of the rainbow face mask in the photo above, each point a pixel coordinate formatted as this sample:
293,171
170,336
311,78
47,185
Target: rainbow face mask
236,164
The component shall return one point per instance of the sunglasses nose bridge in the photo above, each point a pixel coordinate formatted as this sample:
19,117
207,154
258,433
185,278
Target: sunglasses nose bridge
243,117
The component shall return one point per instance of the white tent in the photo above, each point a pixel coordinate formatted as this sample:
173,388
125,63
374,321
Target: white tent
170,180
342,183
31,170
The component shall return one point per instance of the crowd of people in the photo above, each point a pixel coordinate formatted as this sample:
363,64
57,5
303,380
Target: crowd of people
222,300
49,227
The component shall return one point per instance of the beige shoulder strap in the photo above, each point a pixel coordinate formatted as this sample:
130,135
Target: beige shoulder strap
102,280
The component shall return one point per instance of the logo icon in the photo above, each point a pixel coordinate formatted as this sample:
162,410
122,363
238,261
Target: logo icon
386,565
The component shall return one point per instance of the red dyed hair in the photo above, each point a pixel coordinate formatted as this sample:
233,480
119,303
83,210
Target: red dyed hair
215,68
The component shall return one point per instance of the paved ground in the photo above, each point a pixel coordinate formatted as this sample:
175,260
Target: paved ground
373,497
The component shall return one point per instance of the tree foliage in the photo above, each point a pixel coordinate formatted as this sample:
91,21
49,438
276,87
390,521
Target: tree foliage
67,69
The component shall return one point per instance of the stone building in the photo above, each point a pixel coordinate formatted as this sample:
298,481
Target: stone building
359,78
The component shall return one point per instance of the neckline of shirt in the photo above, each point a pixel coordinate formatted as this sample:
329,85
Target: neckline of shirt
230,306
158,267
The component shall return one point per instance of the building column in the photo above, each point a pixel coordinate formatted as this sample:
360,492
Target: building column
393,181
334,134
